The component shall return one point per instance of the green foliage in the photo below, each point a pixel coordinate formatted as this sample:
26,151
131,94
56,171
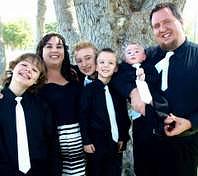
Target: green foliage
192,32
51,27
17,34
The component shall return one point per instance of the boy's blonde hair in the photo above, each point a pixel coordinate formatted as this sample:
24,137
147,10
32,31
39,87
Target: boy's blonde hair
84,44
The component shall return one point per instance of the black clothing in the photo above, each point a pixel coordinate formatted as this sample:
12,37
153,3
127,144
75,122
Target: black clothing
182,94
124,83
41,133
124,79
64,103
178,155
96,129
144,126
94,115
81,76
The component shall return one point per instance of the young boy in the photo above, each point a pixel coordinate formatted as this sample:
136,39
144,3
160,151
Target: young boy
104,136
85,57
39,144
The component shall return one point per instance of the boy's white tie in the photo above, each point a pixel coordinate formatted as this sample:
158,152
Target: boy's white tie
22,141
112,115
163,66
87,80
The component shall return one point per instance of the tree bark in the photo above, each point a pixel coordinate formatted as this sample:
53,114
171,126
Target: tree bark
67,21
40,19
2,58
107,23
2,51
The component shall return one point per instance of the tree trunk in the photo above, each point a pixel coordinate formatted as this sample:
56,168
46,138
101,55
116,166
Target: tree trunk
40,19
2,58
67,21
2,51
109,23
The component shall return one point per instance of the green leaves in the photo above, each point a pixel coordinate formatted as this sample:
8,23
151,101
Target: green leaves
17,34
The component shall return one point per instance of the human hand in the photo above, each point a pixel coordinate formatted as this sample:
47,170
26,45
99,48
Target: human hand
120,146
140,74
1,95
89,148
136,102
180,125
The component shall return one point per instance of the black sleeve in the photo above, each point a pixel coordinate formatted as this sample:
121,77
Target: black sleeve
123,121
85,114
50,126
124,79
152,77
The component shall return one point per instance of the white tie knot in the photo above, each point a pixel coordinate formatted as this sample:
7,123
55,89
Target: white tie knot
87,80
18,99
169,54
106,88
137,65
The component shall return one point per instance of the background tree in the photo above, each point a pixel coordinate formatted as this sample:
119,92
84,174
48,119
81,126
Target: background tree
107,23
67,20
2,50
51,27
17,34
40,19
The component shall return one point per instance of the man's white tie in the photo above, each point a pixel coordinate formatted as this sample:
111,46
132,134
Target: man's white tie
87,80
163,66
112,115
22,141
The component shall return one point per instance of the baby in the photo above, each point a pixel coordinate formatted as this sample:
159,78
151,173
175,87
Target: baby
135,72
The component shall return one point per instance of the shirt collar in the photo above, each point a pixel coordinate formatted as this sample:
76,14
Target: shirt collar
11,94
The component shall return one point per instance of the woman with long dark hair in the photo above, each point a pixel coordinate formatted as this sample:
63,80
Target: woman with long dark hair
62,94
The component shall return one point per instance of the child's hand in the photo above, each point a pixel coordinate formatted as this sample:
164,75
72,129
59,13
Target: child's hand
89,148
140,74
1,95
120,146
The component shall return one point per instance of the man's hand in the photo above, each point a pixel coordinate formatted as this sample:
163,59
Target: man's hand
136,102
89,148
180,125
120,146
140,74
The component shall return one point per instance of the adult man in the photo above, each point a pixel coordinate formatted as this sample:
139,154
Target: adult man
178,154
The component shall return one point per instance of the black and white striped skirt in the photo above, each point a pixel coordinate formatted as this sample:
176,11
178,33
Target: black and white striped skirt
71,150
